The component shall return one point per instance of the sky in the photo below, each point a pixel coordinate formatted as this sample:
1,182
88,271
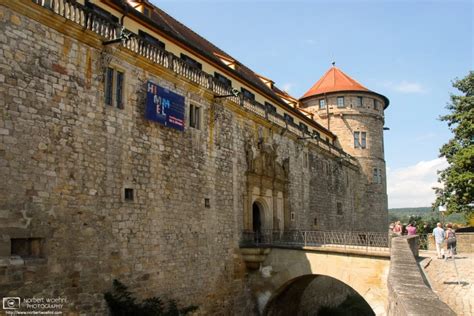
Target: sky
409,51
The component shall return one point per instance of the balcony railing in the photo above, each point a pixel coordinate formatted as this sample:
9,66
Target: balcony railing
90,20
365,241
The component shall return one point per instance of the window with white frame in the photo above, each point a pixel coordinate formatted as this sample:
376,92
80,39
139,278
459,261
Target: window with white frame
194,116
340,102
114,86
322,104
360,139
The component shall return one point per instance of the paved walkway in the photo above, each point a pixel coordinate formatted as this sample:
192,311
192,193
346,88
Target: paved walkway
443,279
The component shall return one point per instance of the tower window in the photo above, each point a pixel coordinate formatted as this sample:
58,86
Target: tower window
340,102
377,178
322,104
114,87
360,139
359,102
194,116
339,208
376,105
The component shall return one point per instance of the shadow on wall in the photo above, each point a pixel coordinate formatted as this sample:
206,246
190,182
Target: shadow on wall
317,295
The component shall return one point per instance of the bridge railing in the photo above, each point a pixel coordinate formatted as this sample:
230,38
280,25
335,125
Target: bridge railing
373,241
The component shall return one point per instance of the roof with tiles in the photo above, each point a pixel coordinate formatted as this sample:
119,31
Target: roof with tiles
182,33
335,80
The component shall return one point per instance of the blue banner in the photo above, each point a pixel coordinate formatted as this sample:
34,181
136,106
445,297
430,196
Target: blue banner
164,106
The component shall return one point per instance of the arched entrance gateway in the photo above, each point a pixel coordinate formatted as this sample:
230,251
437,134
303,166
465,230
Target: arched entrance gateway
266,199
317,295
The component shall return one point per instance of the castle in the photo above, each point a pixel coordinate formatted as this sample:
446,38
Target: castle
131,148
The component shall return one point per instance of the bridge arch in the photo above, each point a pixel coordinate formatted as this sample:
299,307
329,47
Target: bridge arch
310,294
366,275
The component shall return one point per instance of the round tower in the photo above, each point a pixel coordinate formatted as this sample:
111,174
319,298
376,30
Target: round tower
355,115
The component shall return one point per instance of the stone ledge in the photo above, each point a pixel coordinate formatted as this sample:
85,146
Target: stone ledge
19,261
407,292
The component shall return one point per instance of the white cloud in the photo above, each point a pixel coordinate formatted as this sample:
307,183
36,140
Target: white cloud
406,87
412,186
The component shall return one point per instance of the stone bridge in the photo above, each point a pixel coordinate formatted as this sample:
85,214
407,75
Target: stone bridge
286,274
301,272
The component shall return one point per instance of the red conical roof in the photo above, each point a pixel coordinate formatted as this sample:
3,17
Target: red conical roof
334,80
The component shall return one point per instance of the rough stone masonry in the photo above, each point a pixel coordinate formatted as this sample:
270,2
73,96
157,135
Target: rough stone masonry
66,160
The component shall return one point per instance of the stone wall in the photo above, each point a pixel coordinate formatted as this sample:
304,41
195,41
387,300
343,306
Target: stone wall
407,292
66,159
464,242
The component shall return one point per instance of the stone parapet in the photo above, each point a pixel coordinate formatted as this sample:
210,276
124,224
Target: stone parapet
407,292
464,242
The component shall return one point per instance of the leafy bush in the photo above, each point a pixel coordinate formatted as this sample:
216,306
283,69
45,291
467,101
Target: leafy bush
122,303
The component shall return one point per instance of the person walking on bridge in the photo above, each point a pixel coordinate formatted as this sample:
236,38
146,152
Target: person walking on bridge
438,234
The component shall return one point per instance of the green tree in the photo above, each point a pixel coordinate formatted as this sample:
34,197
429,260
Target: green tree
457,193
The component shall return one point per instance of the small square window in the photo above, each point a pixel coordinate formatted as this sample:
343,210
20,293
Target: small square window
322,104
128,194
194,116
340,102
288,118
207,203
27,247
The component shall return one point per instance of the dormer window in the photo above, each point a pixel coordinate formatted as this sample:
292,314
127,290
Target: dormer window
226,60
146,11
